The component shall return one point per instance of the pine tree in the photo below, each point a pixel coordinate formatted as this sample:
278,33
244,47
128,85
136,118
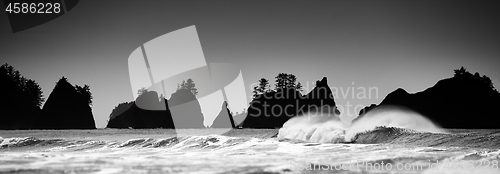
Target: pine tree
189,85
141,91
285,80
264,85
255,91
85,93
290,80
280,81
299,87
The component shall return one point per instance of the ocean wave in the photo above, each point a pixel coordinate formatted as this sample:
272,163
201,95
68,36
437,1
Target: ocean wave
383,134
18,142
314,128
318,135
186,142
392,135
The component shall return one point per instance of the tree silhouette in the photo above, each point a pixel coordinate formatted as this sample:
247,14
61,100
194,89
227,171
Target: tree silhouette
285,80
189,85
299,87
485,80
21,99
85,93
263,87
20,86
141,91
290,80
32,91
460,72
280,81
255,91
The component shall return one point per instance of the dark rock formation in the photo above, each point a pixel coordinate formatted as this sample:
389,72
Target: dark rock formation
224,119
182,110
367,109
238,119
66,109
185,110
273,109
364,111
138,118
121,108
320,99
464,101
17,114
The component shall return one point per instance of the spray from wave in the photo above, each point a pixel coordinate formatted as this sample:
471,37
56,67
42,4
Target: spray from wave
392,116
381,123
320,128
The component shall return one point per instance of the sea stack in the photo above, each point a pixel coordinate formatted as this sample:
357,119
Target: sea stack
272,109
224,119
65,109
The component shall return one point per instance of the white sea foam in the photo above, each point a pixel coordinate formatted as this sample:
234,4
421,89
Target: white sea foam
215,154
324,128
19,141
320,128
391,116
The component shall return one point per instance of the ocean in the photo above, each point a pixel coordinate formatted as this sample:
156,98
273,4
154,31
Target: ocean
382,150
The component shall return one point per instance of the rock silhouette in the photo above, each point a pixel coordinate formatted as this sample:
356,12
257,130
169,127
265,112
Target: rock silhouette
463,101
185,110
363,111
122,107
320,99
148,111
139,118
273,109
224,119
65,109
238,119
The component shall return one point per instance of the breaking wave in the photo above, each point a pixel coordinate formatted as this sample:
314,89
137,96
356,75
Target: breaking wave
319,128
392,116
387,124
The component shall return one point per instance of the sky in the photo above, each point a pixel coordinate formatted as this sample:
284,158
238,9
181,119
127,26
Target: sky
358,45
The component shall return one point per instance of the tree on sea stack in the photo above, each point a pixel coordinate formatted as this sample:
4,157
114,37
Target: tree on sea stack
189,85
291,79
67,107
21,99
263,87
285,80
462,73
280,81
141,91
299,87
85,93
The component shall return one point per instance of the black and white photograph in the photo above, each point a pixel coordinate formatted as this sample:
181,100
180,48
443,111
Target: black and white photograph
249,86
